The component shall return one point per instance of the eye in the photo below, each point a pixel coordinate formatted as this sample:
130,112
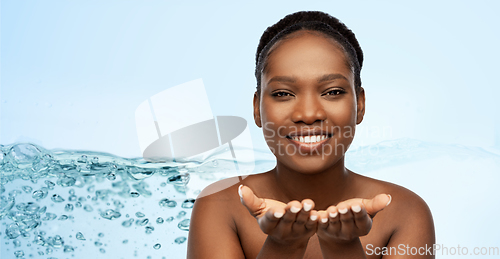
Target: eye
335,92
282,94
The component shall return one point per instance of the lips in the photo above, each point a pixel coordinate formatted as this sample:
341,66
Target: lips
309,140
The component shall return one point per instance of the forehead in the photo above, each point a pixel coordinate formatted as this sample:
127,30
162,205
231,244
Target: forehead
305,54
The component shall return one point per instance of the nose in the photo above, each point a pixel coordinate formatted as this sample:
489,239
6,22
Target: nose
308,109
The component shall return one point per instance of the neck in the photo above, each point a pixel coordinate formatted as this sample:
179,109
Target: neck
324,188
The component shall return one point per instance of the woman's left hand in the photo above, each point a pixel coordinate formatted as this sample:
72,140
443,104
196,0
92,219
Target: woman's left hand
350,219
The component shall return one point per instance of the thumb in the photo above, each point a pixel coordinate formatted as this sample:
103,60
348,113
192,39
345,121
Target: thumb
378,203
254,204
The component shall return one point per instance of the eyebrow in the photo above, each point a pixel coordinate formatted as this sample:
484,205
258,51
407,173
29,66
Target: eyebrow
321,79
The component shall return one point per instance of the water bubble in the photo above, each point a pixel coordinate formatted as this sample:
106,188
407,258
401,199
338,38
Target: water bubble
181,214
68,207
134,194
163,184
50,184
88,208
78,204
72,197
91,188
42,210
66,181
19,253
63,217
127,223
111,176
68,249
188,204
82,159
49,216
167,203
102,250
100,235
157,246
40,194
139,214
169,219
118,204
97,243
125,241
180,240
80,236
149,229
48,250
71,191
184,225
57,198
95,160
12,231
24,154
56,242
159,220
16,243
110,214
142,222
27,189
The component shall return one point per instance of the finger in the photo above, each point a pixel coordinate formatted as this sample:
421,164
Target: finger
254,204
362,221
334,219
379,202
303,214
323,219
312,221
346,219
271,219
291,210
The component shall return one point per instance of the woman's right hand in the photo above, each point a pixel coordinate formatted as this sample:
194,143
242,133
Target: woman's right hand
292,223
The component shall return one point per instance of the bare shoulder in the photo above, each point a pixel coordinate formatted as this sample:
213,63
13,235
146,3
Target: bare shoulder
408,217
212,224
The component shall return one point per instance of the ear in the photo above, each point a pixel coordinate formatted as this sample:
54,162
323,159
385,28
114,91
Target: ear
256,109
360,97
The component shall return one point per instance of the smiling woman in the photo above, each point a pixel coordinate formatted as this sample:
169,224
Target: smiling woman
308,102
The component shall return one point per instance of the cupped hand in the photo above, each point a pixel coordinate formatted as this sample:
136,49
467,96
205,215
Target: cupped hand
350,219
290,223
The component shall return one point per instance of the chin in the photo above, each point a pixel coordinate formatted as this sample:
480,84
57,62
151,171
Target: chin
311,164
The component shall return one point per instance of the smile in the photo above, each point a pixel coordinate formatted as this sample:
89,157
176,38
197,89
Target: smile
309,139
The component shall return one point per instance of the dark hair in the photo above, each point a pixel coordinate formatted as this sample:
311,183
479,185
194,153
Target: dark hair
316,21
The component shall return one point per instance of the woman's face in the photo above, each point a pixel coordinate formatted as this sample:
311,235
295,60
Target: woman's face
308,107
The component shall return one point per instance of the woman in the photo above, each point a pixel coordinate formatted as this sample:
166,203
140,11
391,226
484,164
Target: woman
308,102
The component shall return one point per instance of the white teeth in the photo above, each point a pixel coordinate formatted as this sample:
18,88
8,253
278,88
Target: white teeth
310,139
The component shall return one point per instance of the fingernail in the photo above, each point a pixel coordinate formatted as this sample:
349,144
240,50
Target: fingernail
239,191
356,208
307,206
278,215
314,217
324,220
333,215
390,199
343,211
294,209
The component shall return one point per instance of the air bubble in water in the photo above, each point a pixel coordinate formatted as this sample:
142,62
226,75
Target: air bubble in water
40,194
50,184
157,246
27,189
188,203
167,203
19,253
110,214
181,214
100,234
68,207
80,236
102,250
143,222
57,198
159,220
184,225
134,194
68,249
127,223
180,240
88,208
139,214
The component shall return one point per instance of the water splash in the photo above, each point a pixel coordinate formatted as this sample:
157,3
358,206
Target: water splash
67,193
